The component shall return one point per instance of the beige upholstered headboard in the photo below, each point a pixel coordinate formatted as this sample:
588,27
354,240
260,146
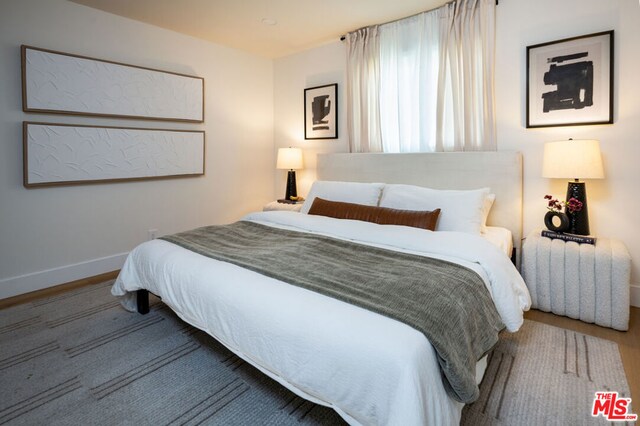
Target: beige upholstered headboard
500,171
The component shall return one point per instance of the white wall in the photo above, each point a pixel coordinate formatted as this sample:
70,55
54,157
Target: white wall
613,202
54,235
293,74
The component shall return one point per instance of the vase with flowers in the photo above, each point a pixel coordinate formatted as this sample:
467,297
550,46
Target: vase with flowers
556,220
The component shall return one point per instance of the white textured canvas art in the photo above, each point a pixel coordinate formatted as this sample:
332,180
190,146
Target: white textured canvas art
64,83
63,154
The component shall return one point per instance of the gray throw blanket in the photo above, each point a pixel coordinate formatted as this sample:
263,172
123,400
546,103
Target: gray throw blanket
448,303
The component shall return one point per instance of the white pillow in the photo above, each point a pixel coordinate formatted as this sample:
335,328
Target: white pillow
461,211
486,208
347,192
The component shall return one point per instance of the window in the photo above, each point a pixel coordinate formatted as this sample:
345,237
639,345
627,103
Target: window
424,83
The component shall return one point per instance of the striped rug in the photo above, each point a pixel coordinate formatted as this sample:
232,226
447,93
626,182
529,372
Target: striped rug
78,359
545,375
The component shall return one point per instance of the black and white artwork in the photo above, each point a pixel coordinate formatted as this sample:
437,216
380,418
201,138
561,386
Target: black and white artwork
321,112
570,81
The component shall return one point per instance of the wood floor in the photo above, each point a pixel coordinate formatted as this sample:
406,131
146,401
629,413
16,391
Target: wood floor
39,294
628,342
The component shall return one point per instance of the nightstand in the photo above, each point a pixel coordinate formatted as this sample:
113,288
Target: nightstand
274,205
582,281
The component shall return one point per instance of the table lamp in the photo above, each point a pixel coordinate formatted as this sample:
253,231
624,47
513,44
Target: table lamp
574,159
290,159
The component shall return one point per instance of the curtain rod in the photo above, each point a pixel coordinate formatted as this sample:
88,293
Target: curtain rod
344,37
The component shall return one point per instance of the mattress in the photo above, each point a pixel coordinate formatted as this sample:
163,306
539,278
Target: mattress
369,368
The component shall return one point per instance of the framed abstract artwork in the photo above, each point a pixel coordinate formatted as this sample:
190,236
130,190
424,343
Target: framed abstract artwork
321,112
65,154
63,83
570,81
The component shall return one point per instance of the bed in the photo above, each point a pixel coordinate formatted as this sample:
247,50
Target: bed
369,368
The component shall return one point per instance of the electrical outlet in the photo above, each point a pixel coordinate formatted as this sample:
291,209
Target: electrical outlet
152,234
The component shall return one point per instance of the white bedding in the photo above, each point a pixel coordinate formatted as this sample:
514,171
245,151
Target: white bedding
369,368
500,237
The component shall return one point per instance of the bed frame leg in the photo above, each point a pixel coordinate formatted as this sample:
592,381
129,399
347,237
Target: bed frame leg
142,299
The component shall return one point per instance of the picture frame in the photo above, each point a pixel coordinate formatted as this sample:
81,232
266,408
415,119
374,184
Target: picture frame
56,154
570,81
321,112
63,83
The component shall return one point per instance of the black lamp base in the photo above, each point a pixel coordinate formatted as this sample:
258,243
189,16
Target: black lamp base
579,220
291,185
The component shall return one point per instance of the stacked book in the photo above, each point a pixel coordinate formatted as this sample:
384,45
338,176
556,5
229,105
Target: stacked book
286,201
580,239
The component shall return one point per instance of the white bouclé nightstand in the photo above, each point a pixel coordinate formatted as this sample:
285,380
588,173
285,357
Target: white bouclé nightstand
582,281
274,205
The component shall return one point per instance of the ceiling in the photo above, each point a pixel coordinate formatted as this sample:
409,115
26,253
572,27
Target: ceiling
301,24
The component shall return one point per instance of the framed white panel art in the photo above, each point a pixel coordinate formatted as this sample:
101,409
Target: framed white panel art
62,83
61,154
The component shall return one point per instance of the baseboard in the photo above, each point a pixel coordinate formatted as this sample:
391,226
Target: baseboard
635,295
27,283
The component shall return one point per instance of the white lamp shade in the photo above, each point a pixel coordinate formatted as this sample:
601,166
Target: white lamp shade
289,158
572,159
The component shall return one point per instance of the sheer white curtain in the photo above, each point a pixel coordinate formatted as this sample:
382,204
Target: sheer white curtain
433,81
363,86
409,61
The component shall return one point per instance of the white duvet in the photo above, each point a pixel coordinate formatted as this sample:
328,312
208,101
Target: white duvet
371,369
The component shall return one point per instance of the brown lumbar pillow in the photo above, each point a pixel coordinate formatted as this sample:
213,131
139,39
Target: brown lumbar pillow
379,215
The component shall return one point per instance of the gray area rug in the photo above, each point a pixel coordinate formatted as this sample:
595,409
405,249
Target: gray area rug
544,375
78,358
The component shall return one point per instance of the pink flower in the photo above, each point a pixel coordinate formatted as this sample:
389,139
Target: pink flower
572,205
